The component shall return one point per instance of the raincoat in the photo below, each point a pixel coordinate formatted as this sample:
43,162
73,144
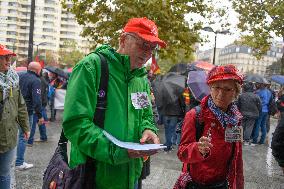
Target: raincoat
114,169
213,168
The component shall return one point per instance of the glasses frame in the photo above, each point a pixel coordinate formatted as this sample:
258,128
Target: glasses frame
146,46
6,57
223,89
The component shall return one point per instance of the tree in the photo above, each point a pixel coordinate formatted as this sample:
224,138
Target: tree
69,54
274,68
262,19
102,20
50,58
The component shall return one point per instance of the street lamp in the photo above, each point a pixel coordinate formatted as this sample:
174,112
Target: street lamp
42,43
209,29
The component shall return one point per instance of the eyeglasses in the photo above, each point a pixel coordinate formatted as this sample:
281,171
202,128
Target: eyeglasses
224,89
6,57
142,44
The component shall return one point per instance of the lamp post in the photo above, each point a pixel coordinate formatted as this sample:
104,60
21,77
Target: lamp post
42,43
209,29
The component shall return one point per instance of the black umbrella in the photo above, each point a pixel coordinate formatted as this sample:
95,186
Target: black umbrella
256,78
179,68
196,82
172,87
57,71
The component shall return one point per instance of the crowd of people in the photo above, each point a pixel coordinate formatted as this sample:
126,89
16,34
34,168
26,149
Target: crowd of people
211,134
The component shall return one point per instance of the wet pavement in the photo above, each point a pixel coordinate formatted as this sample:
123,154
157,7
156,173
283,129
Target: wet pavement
261,170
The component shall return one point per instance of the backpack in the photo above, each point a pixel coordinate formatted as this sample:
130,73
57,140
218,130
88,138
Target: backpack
199,126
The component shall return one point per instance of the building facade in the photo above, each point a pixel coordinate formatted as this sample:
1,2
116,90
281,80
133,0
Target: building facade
242,57
208,55
52,26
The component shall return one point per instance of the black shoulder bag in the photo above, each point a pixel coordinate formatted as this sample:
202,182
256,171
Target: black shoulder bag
58,175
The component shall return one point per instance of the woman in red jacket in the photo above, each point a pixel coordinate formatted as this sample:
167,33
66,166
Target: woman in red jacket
215,159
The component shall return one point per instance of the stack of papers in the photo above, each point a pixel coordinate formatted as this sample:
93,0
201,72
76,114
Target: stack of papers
132,145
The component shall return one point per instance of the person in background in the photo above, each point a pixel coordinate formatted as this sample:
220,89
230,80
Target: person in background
55,83
30,86
249,105
13,112
215,159
280,103
269,113
42,127
265,96
277,144
128,116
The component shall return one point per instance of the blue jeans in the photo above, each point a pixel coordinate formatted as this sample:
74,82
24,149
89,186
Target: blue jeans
6,159
170,123
21,148
260,123
42,128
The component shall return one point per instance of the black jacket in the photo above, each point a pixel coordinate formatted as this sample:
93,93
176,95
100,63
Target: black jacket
44,91
277,143
30,86
249,104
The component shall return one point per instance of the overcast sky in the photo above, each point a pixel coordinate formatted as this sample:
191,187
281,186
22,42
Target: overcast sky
222,40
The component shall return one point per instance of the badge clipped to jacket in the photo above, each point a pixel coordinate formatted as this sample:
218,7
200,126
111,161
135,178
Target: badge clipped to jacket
140,100
234,134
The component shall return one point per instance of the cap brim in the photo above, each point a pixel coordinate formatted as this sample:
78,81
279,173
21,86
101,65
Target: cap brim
5,52
237,79
152,39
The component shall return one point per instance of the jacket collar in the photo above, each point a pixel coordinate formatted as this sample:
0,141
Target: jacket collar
32,72
120,62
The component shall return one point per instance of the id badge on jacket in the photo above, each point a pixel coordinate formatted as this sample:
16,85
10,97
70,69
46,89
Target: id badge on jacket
140,100
234,134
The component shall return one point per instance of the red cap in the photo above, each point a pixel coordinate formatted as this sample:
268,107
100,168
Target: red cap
144,28
4,51
227,72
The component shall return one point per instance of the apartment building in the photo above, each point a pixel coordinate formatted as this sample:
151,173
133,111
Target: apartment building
242,57
208,55
52,26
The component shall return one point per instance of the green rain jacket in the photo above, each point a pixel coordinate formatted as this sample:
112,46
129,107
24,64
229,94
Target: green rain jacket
114,169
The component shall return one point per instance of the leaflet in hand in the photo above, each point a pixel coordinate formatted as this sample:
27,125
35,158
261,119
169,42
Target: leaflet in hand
132,145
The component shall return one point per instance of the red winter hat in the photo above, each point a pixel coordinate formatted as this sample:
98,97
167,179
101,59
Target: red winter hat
144,28
227,72
4,51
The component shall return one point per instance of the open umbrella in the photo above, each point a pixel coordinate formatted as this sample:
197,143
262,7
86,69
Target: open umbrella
200,65
196,82
256,78
278,79
179,68
57,71
172,87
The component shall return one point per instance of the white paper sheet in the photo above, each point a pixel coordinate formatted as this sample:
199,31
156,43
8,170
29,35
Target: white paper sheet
132,145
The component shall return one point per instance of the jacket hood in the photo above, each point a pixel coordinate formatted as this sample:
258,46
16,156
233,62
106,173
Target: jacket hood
113,56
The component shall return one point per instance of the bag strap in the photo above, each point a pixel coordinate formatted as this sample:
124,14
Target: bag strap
99,116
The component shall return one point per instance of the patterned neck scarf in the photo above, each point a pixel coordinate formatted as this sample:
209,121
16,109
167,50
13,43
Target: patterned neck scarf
8,81
231,117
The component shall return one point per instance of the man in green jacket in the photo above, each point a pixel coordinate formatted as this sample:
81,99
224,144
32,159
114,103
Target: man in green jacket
125,119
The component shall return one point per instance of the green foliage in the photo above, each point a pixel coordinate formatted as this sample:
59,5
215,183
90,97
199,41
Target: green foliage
69,55
103,21
262,20
274,68
50,57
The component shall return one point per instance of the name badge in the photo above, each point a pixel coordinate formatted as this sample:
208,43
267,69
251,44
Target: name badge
140,100
234,134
